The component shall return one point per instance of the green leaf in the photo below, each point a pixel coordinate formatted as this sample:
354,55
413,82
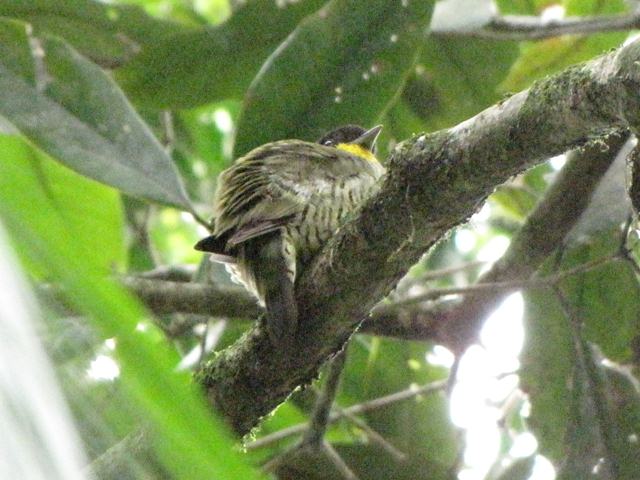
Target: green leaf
607,300
70,109
94,211
213,63
594,7
108,34
457,78
400,122
599,441
42,438
547,361
344,64
517,198
190,442
522,7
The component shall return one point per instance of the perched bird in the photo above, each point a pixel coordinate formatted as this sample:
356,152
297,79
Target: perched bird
276,206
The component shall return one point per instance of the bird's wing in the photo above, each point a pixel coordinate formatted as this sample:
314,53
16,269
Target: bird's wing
271,185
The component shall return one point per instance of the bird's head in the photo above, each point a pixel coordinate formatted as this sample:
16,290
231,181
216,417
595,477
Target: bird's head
353,139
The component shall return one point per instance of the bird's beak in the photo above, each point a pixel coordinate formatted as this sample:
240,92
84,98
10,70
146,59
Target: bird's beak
368,139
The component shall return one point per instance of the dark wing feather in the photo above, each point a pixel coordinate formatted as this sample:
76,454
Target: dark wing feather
260,228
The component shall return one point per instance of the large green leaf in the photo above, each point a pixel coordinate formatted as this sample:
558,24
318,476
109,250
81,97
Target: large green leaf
94,211
607,300
453,80
189,441
162,63
41,436
457,78
603,420
213,63
547,360
344,64
69,108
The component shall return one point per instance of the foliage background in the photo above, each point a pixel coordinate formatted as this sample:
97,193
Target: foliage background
116,119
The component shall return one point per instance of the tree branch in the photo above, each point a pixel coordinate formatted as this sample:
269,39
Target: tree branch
434,183
543,232
526,27
197,298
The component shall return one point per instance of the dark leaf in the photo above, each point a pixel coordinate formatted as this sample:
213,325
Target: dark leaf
213,63
72,110
344,64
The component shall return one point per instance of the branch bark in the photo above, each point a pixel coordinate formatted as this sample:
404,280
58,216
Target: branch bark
434,183
197,298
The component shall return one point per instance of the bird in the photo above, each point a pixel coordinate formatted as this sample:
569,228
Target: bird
275,207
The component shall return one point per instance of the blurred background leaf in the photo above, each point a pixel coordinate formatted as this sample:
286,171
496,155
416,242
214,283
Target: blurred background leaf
37,226
108,34
211,63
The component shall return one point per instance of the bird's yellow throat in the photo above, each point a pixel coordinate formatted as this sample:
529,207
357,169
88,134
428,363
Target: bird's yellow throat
358,151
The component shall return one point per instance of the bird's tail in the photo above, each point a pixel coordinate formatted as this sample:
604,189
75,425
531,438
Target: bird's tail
217,247
275,283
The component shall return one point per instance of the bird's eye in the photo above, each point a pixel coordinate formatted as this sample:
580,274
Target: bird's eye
328,143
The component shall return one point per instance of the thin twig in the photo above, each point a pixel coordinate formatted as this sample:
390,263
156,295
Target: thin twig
453,374
203,343
168,131
372,435
201,220
430,275
511,284
338,462
525,27
170,273
313,439
322,410
445,272
374,404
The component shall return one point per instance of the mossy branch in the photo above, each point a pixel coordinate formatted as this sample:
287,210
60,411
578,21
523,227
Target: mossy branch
434,183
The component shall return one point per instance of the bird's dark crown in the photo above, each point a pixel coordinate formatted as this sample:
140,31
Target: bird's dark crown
345,134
